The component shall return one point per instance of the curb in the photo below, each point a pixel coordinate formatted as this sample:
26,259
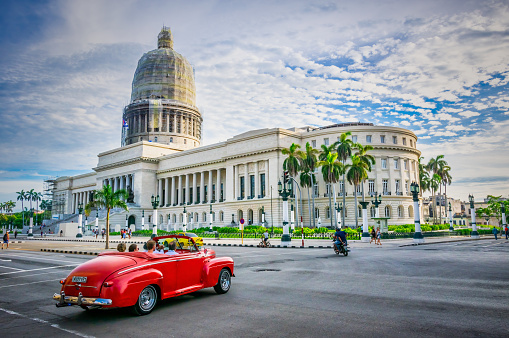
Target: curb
71,252
272,247
441,242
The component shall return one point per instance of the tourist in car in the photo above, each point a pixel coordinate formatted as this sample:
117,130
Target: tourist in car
171,249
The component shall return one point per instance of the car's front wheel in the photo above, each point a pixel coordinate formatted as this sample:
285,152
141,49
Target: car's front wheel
147,300
224,281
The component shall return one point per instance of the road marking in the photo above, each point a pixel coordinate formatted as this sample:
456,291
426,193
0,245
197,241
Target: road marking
7,267
287,253
56,326
36,274
41,281
45,259
5,260
52,267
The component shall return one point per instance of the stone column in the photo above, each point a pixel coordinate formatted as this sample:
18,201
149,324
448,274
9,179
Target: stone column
218,185
229,193
181,194
194,188
267,185
237,182
173,188
257,180
209,189
247,182
167,192
202,186
187,189
160,193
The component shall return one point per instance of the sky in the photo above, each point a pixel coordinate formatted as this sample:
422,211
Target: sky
437,68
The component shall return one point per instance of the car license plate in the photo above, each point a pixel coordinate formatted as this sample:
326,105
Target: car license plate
77,279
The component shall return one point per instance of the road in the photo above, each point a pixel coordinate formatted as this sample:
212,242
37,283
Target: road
444,289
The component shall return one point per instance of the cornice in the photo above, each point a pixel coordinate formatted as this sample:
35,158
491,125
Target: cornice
129,161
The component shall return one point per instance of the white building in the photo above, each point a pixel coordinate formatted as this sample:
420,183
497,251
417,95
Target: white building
161,155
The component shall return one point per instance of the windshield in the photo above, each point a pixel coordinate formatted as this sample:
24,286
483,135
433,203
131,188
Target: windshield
180,243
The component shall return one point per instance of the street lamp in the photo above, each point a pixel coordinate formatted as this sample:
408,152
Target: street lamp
30,228
451,228
80,220
143,220
339,208
126,222
97,221
155,203
474,233
502,210
184,220
365,229
210,218
418,237
376,201
285,190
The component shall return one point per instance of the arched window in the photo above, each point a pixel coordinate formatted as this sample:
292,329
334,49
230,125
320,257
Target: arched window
327,212
196,217
181,218
372,212
387,211
161,218
400,211
317,212
240,214
410,211
221,216
204,217
174,218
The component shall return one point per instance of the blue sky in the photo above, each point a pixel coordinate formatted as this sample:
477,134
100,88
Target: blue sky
440,69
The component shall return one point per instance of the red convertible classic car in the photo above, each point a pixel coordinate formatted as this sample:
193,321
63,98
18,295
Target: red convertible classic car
140,279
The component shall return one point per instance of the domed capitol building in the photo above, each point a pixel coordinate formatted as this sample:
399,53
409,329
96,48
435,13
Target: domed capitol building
161,154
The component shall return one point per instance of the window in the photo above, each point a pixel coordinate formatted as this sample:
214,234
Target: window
327,212
185,141
387,211
222,193
171,139
354,138
385,186
396,163
316,192
206,194
359,189
327,189
404,141
406,187
382,138
317,212
214,192
326,141
359,211
395,139
345,211
397,187
242,187
313,143
405,164
262,185
221,216
410,211
411,143
368,138
371,187
372,212
155,139
400,211
384,163
341,187
252,186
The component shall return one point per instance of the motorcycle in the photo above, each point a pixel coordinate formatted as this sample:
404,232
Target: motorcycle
343,249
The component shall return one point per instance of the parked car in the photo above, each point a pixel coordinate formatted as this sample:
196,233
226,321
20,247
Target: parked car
140,279
198,240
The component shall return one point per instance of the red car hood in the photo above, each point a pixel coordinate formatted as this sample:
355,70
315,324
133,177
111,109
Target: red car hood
96,271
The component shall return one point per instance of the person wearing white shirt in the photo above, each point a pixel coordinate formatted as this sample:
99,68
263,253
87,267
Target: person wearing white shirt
171,249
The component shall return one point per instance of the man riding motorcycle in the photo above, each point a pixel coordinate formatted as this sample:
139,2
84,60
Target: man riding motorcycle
340,239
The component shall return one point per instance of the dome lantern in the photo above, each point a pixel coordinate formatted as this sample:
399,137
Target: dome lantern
165,38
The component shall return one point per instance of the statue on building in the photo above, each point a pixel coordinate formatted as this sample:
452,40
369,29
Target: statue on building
130,198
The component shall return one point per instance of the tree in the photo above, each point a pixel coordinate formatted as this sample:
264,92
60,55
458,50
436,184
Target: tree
446,180
331,170
307,176
435,165
9,205
21,197
108,200
36,196
366,158
434,183
344,150
292,162
356,173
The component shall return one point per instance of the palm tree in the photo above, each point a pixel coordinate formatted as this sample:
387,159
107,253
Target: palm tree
2,207
435,165
446,179
21,197
344,151
108,199
434,183
331,170
292,162
307,176
366,158
9,206
36,196
356,174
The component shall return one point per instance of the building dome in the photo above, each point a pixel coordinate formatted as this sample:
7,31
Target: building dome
164,74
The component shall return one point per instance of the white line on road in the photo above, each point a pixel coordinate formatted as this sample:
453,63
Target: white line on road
52,267
8,267
5,260
45,259
56,326
41,281
37,274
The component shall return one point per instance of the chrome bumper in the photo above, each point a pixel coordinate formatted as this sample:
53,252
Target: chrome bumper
64,300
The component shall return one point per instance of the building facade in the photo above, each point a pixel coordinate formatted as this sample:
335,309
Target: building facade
235,179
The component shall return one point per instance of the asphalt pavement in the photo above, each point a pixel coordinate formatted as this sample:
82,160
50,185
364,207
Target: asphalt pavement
457,288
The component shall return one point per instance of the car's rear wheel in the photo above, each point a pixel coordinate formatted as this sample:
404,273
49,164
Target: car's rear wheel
224,281
147,300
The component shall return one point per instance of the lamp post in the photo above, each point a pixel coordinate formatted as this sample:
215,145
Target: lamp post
339,208
365,229
418,237
143,220
292,219
451,228
210,218
155,203
184,220
97,222
126,222
376,202
502,210
30,228
86,223
474,233
80,220
285,191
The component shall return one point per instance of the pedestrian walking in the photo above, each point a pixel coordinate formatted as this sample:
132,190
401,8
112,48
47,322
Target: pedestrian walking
15,234
6,240
373,235
495,232
102,233
130,233
378,236
506,232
